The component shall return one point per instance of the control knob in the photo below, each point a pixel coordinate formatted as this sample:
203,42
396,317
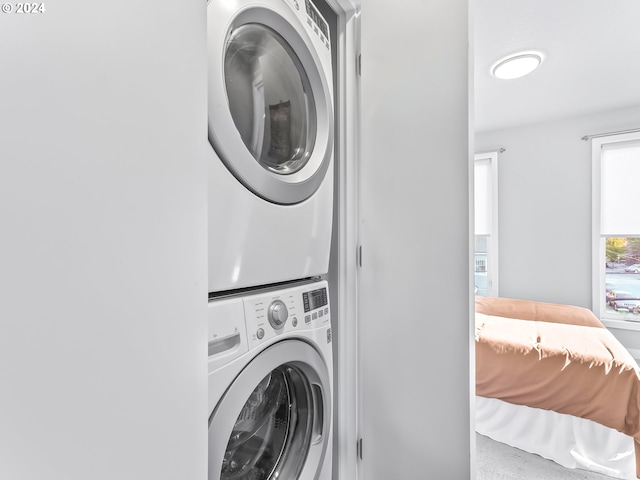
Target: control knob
277,314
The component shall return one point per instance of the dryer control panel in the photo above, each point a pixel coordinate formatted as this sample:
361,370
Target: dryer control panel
313,19
297,308
317,22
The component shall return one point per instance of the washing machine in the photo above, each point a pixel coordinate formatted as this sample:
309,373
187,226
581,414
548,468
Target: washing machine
271,384
271,125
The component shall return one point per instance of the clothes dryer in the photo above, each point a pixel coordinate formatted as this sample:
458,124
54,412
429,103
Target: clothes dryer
270,385
271,126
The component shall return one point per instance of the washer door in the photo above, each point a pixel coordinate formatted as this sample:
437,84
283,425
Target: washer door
270,103
274,420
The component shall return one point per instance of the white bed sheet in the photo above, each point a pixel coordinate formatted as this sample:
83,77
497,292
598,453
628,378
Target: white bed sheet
567,440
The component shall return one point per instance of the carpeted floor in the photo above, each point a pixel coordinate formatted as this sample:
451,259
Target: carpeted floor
497,461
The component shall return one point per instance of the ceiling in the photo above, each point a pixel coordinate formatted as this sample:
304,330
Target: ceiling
591,59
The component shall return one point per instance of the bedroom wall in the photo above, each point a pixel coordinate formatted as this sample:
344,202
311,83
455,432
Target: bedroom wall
545,207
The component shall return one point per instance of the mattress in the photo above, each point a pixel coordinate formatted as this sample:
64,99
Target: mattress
557,358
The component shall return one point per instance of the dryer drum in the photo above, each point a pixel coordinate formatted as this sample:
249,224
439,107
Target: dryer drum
272,434
280,115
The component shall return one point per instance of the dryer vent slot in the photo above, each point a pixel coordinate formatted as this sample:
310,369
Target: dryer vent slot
223,344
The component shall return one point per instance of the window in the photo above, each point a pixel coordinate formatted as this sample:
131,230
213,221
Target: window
486,223
616,227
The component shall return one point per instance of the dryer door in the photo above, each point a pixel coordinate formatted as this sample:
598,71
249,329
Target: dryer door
270,101
274,420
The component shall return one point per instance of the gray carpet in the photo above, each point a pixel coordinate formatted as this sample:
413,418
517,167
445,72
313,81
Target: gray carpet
497,461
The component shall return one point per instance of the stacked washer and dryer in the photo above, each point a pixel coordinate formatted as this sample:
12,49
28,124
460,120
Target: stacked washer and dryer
271,126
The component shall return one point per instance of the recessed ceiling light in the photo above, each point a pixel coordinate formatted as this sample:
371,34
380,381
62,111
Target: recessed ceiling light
516,66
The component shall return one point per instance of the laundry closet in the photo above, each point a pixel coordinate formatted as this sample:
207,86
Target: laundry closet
114,240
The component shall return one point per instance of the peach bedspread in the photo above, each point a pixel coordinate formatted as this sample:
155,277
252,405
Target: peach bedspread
556,357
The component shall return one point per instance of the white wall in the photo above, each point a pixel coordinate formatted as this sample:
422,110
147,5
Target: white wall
545,207
103,242
414,227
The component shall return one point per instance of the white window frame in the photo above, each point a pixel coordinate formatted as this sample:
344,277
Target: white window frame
598,243
491,158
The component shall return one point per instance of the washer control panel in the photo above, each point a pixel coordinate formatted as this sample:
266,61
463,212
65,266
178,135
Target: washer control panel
297,308
277,314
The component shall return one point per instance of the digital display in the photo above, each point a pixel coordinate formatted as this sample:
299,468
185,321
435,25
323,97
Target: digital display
317,18
315,299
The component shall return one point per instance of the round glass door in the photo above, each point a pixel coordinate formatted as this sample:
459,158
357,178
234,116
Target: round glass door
270,98
274,420
272,434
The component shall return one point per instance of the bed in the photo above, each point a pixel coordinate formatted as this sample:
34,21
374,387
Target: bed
552,380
